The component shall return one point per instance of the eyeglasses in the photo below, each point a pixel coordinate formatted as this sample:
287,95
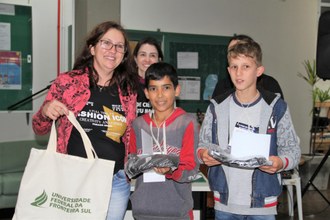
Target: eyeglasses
108,45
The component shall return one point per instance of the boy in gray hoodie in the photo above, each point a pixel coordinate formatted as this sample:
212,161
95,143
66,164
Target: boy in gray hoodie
164,193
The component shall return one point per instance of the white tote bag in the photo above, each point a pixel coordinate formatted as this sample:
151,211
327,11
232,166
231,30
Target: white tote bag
60,186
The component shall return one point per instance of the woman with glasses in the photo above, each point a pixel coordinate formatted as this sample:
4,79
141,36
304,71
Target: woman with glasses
146,52
101,91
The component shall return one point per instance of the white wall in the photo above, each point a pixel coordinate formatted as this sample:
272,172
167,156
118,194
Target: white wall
285,29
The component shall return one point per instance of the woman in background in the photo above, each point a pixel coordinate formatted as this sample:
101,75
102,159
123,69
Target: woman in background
146,52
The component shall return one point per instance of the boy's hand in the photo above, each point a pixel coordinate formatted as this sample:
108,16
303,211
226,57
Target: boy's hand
162,170
276,166
207,159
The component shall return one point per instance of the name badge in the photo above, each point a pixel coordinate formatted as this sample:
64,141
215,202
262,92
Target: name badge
152,176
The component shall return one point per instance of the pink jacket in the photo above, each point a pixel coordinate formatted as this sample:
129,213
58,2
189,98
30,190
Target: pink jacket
72,89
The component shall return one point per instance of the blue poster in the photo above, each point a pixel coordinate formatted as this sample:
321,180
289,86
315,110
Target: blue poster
10,70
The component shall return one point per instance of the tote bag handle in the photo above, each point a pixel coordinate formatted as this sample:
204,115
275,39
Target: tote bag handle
90,152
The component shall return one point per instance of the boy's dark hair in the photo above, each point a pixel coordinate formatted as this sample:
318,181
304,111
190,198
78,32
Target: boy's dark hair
158,71
250,49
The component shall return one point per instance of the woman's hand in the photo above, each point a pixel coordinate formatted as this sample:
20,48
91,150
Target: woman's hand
54,109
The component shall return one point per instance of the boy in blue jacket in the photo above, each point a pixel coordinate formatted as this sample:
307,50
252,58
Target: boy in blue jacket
247,193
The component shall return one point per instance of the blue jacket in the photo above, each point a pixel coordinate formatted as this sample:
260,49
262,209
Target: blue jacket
285,144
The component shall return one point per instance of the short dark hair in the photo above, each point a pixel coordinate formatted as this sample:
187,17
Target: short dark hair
158,71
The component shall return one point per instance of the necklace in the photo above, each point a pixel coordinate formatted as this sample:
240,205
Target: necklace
247,104
100,87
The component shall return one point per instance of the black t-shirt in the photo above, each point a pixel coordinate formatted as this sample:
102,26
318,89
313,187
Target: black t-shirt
103,120
143,105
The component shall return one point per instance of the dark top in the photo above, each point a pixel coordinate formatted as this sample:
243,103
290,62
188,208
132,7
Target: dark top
104,121
264,81
143,105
